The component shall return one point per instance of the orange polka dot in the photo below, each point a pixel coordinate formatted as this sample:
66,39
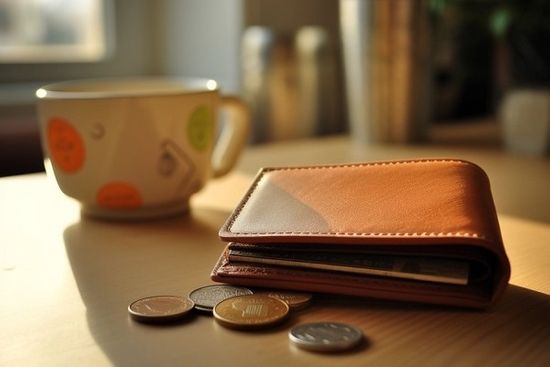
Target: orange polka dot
118,195
65,145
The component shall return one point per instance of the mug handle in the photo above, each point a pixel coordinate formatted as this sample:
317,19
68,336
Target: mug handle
233,135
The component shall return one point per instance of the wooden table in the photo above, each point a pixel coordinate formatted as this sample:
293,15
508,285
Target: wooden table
66,281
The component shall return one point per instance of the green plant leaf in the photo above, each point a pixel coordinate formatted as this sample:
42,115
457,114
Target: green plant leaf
500,22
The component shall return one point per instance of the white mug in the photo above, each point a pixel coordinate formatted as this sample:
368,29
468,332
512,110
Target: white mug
138,147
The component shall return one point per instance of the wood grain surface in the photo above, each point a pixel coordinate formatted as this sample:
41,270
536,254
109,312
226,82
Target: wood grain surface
67,280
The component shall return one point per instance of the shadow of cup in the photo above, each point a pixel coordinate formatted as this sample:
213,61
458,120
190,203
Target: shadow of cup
115,263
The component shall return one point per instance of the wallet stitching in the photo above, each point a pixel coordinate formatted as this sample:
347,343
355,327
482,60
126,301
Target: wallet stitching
388,163
352,234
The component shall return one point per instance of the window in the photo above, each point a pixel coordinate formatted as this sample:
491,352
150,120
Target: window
38,31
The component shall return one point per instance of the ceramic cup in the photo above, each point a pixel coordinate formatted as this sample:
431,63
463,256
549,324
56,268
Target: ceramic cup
138,148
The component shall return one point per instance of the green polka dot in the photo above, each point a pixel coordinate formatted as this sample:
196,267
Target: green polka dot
200,128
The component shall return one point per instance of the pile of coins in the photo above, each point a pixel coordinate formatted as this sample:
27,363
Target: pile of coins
240,308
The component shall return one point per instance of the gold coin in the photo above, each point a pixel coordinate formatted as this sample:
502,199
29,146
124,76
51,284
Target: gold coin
250,311
160,308
295,300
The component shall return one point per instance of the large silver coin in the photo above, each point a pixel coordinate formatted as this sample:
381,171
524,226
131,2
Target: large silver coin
325,336
160,308
207,297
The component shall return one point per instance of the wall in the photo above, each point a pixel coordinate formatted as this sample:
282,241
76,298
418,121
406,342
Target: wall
200,38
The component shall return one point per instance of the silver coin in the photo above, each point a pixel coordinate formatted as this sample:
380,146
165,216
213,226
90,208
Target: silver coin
207,297
325,336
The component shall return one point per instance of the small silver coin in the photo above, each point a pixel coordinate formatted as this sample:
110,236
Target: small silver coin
325,336
207,297
160,308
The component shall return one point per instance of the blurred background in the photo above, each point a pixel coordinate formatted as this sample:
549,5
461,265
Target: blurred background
384,71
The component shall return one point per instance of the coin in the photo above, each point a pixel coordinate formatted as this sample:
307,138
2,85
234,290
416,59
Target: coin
325,336
207,297
295,300
250,311
160,308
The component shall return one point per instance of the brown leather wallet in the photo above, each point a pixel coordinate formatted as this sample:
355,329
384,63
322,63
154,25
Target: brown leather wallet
416,230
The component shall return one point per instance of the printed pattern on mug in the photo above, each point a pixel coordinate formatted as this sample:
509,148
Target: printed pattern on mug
200,128
118,195
65,144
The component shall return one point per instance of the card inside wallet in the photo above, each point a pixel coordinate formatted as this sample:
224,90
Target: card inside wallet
471,268
419,231
464,276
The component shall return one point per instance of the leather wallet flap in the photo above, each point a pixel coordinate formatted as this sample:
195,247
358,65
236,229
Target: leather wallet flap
417,202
